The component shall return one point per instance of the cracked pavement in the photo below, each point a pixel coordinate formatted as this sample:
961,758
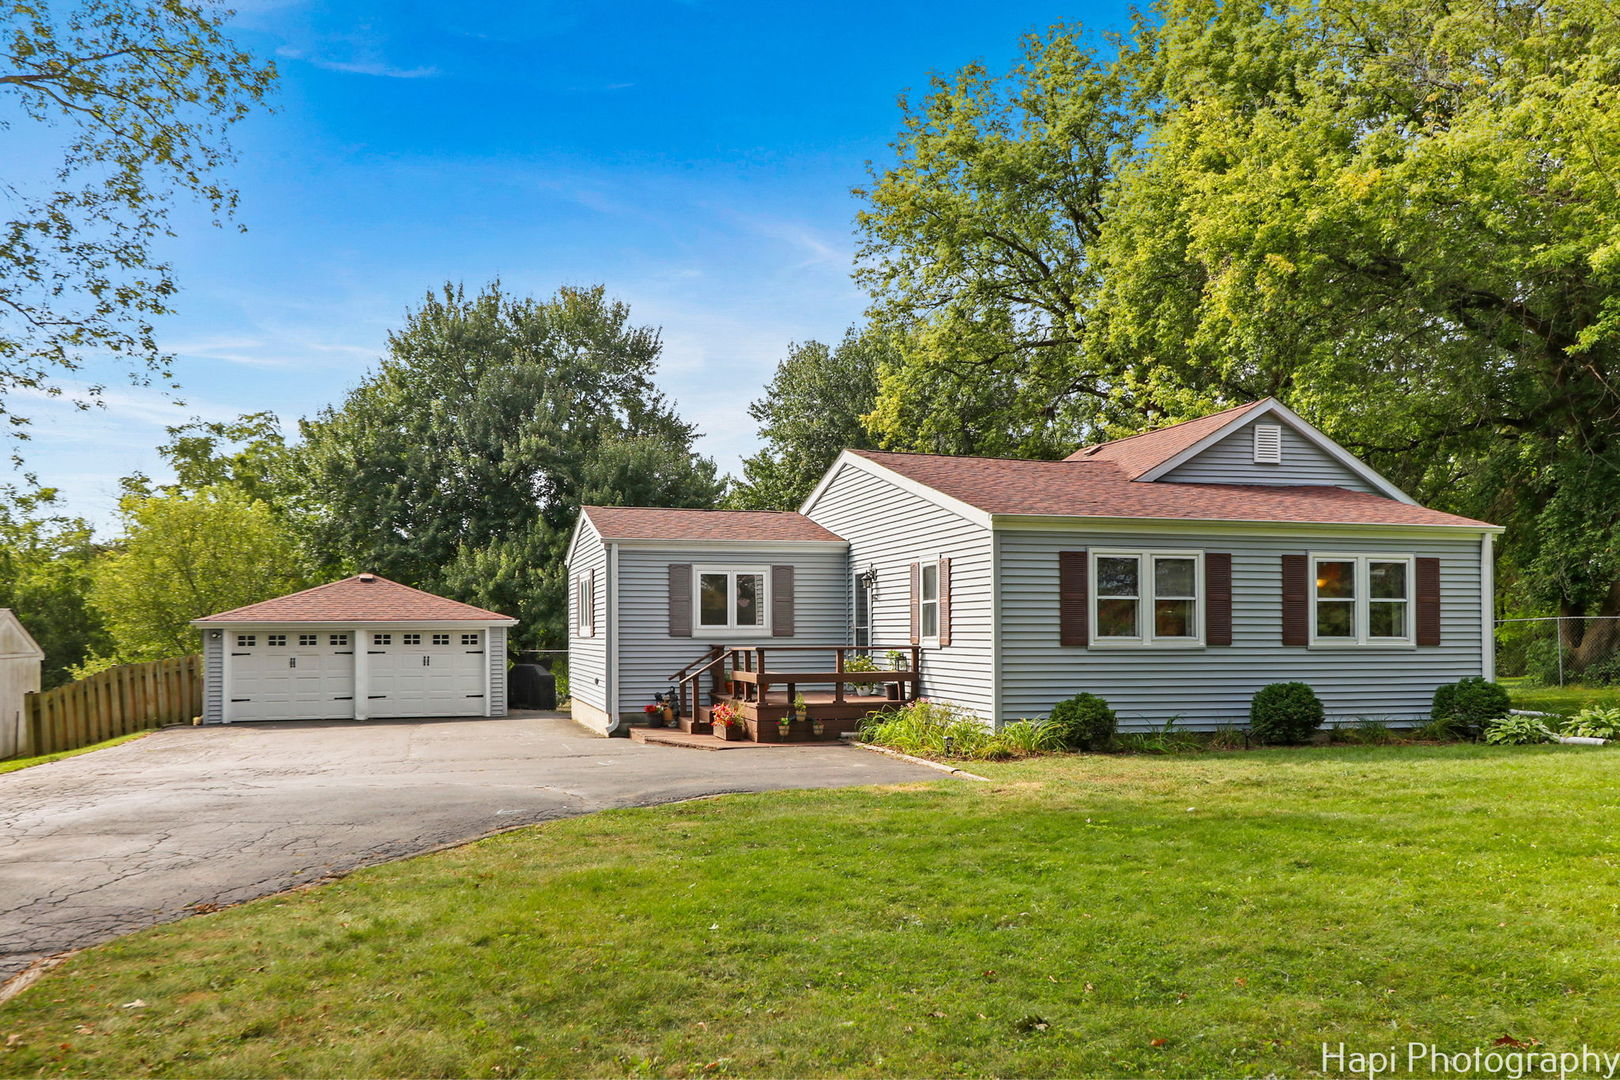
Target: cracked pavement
101,844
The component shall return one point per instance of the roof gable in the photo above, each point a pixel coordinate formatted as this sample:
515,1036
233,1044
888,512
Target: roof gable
361,598
1153,455
15,640
665,523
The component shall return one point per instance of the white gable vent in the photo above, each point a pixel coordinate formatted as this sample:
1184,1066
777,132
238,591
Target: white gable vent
1267,444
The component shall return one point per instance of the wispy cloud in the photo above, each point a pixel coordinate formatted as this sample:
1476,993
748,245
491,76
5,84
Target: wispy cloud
365,65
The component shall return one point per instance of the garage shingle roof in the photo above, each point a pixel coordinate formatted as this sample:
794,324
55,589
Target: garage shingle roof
659,523
1089,487
363,598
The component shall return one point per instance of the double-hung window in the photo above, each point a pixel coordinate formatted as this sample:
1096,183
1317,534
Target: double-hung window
1361,599
1147,597
585,604
731,598
928,600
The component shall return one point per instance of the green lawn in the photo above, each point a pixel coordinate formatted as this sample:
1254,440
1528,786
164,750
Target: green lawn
1565,700
14,764
1219,913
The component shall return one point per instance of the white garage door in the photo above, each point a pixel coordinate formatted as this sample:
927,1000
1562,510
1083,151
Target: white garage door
290,676
426,673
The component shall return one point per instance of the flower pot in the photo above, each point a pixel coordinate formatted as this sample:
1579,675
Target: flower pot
892,691
732,732
817,729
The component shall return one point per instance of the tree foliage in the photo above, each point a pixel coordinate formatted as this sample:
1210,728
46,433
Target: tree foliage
185,556
813,408
1401,218
144,92
46,559
461,464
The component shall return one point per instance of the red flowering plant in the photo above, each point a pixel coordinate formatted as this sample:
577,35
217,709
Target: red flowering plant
650,709
723,714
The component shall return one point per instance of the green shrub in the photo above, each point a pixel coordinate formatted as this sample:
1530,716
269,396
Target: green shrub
1086,722
1516,731
1595,722
1285,712
1469,703
1605,672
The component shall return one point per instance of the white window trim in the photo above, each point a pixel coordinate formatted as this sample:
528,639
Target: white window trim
1145,598
1363,599
731,629
930,640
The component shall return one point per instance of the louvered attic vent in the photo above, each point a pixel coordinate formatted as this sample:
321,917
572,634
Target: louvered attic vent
1267,444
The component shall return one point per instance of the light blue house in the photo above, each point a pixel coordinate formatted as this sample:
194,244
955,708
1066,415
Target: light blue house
1174,573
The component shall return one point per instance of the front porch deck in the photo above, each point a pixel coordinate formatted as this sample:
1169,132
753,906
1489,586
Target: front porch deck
763,698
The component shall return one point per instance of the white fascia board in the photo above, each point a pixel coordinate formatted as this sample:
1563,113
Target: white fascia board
905,483
739,546
581,523
351,624
1300,425
1206,526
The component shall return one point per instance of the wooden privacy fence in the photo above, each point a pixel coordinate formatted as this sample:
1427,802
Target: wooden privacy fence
118,701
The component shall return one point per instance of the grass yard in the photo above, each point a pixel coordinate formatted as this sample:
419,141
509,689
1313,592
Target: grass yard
1564,700
1205,914
14,764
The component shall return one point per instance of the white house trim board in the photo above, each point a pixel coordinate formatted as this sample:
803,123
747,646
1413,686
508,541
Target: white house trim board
1206,526
610,613
1487,604
850,460
1302,427
733,547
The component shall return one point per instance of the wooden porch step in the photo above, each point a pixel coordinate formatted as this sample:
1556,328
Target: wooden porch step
688,741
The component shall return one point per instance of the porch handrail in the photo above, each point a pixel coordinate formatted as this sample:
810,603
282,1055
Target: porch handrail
706,658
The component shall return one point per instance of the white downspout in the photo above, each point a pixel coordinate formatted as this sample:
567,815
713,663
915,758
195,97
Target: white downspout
1487,604
611,618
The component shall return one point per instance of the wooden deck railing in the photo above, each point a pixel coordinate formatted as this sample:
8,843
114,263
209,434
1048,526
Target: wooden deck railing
752,679
118,701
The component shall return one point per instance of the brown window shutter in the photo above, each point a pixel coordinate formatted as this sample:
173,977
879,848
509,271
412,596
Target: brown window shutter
1296,600
1074,601
1428,601
590,601
916,603
680,599
781,601
944,601
1217,598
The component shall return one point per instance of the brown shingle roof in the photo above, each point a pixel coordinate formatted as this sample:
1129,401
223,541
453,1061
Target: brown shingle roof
657,523
1136,454
1100,488
359,599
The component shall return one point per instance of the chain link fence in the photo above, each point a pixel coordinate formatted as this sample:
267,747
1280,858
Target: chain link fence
1574,650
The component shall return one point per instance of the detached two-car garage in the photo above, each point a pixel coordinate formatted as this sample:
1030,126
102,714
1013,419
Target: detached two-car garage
361,648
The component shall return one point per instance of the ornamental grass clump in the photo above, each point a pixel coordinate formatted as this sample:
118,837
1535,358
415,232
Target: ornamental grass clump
1285,712
936,729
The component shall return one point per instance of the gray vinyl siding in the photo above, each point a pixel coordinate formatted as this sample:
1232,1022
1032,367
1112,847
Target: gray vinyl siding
1213,685
889,528
1231,461
213,677
648,655
495,653
587,656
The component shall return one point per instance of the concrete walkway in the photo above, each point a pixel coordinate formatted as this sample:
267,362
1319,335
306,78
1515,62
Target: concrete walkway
108,842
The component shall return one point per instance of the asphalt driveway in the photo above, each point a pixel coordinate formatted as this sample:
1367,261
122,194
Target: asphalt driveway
101,844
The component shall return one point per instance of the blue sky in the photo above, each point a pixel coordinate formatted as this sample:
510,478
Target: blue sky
694,157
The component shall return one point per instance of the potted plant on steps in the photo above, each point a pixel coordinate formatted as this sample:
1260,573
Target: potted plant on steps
727,724
655,713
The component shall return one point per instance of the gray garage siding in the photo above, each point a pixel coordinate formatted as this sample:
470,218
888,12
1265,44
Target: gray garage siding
213,677
889,528
648,655
587,656
1231,461
1213,685
495,653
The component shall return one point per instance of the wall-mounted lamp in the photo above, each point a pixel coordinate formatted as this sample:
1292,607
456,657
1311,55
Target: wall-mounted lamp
215,635
869,577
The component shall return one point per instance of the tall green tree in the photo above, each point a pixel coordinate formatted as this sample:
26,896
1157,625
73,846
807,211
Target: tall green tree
978,252
46,562
143,92
185,556
1401,218
814,407
460,466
